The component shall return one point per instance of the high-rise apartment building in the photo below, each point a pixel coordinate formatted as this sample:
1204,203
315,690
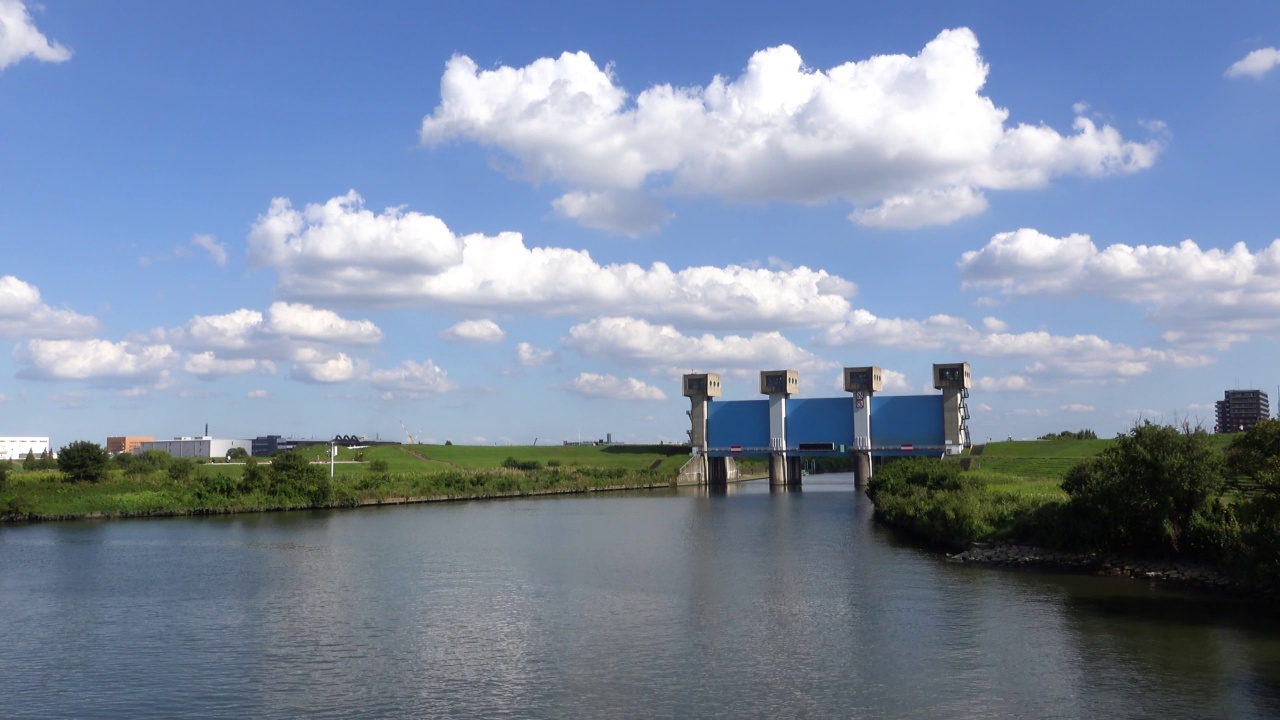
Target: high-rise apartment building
1239,410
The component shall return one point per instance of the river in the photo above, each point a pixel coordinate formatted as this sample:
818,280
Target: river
678,604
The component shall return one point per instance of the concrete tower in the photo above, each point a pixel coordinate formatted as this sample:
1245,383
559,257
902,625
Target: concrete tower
779,385
863,382
953,380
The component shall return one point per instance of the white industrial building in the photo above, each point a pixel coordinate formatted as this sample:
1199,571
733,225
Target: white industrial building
195,447
16,448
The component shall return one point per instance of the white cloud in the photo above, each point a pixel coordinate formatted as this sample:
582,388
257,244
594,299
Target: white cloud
530,356
298,321
1201,297
336,369
257,395
475,331
632,341
607,386
1075,357
1077,408
19,38
414,378
338,252
1255,64
217,251
94,360
245,341
906,140
627,212
208,365
231,331
1006,383
22,314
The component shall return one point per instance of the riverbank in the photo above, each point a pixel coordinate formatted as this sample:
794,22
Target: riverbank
390,499
1200,576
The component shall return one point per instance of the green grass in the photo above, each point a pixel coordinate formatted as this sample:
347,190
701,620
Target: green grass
419,471
1035,459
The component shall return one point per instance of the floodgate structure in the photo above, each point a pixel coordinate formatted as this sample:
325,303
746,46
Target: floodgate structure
789,430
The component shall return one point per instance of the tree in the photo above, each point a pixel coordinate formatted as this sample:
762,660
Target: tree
1144,492
1253,462
31,457
237,453
84,461
180,469
293,475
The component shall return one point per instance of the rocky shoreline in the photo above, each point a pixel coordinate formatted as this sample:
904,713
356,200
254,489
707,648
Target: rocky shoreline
1187,574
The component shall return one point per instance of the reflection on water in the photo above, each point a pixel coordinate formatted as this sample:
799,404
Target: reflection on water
687,603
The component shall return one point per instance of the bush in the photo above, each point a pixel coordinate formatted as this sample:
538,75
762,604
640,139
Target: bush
84,461
515,464
255,478
1142,493
293,477
379,466
180,469
936,501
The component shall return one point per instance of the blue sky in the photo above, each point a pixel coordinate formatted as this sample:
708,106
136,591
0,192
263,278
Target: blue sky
496,222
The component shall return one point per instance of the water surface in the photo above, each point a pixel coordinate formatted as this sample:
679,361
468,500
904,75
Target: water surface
748,603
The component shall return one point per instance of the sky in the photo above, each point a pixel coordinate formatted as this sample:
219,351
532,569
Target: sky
519,222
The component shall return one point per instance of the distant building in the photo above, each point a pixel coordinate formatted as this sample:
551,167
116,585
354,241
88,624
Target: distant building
16,448
193,447
268,445
1239,410
126,443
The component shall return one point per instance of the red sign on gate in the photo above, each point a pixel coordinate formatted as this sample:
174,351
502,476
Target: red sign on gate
906,447
735,448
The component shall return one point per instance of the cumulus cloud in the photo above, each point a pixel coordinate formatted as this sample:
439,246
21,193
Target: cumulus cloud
300,321
22,314
257,395
475,331
633,341
1076,357
284,323
217,251
1255,64
628,212
19,38
340,252
94,360
208,365
413,378
245,341
333,369
529,356
607,386
907,140
1201,297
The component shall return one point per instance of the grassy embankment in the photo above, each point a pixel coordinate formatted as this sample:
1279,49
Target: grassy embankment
363,476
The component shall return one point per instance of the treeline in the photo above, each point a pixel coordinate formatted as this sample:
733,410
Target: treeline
1085,434
1158,491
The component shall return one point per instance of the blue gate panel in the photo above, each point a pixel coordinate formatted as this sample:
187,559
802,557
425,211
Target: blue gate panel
820,420
744,423
906,419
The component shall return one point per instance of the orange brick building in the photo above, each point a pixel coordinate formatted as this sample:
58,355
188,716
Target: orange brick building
125,444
